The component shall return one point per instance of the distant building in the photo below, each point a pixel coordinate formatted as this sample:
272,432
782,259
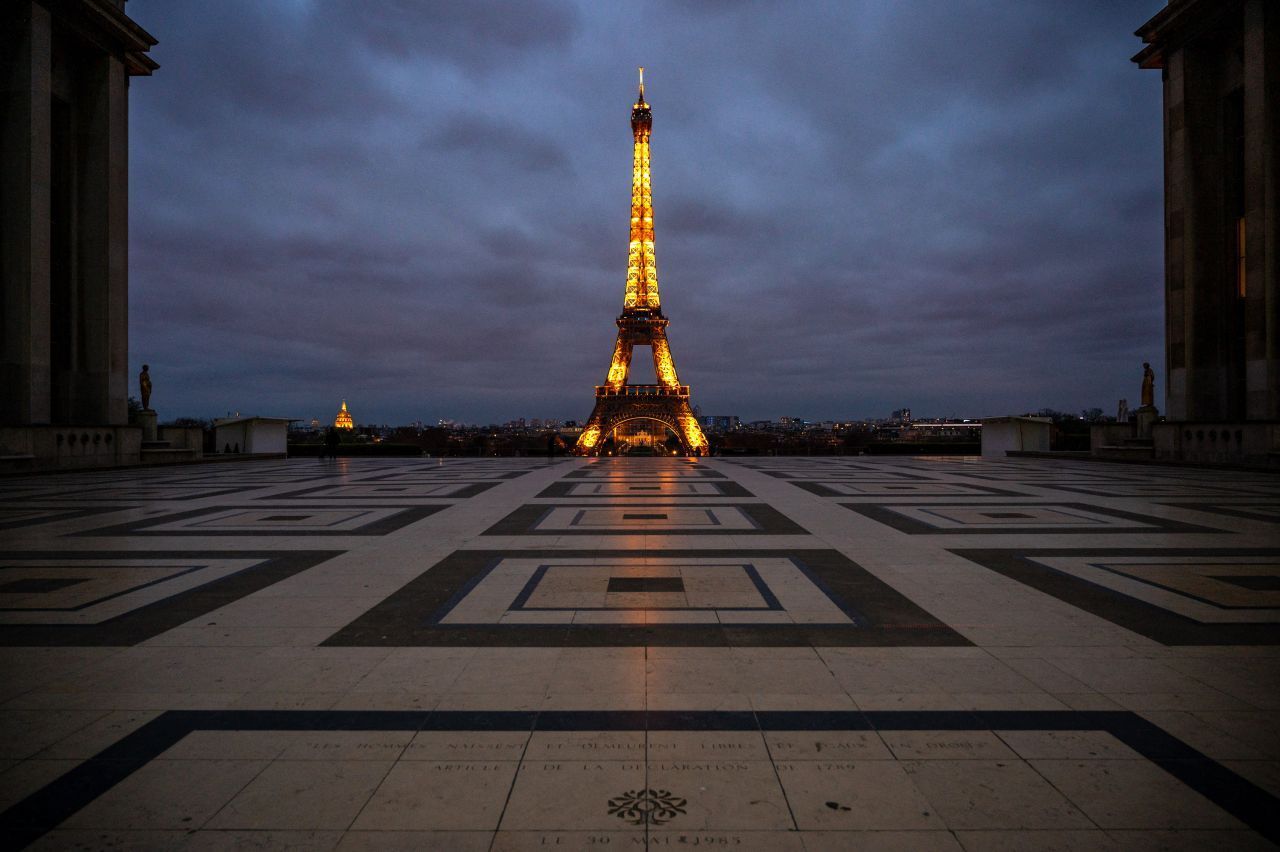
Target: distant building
260,436
719,422
343,420
902,415
1220,63
1021,434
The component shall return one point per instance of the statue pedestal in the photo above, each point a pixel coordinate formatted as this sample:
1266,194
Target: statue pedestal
147,420
1144,418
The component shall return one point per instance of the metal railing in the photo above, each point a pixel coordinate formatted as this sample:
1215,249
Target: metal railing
642,390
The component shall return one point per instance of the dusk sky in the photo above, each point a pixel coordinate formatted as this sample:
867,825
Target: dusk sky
421,207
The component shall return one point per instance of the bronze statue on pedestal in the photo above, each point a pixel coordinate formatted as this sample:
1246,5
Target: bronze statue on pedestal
1148,386
144,385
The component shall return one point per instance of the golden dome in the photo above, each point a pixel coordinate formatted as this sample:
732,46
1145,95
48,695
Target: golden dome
343,420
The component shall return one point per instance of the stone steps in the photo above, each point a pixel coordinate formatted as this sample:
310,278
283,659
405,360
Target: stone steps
17,462
166,454
1132,448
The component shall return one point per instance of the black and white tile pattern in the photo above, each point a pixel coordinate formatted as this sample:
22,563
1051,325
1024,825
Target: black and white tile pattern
781,653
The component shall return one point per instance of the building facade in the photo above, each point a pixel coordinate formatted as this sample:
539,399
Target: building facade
64,162
1220,64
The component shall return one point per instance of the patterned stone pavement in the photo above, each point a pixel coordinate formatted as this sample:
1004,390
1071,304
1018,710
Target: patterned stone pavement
781,654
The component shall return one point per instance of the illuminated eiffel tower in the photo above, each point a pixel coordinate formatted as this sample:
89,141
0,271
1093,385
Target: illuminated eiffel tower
637,407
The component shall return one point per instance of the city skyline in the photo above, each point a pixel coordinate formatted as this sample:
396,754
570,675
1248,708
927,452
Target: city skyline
436,233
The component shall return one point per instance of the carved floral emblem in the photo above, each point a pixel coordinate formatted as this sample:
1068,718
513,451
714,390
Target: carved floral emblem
647,807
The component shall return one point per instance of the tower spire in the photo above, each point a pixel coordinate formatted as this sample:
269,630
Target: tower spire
642,265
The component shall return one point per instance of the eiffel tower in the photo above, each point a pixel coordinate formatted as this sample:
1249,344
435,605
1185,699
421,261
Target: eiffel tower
618,403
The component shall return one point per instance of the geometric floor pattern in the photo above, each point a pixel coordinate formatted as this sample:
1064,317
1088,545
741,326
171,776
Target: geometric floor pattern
759,653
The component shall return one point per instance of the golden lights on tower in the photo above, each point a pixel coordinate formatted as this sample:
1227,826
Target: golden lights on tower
693,433
589,437
641,324
663,366
619,366
642,264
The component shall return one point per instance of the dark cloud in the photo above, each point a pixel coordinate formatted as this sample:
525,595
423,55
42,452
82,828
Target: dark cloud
477,35
479,136
701,217
422,207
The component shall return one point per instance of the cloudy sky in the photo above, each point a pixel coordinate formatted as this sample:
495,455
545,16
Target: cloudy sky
422,206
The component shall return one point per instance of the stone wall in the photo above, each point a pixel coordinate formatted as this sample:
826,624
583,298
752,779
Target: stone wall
1215,442
69,447
184,438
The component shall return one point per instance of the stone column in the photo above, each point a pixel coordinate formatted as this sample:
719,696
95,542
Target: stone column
1262,183
103,240
1175,206
1204,245
25,66
147,420
1144,419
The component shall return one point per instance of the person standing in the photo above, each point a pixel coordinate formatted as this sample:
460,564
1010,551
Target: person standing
331,442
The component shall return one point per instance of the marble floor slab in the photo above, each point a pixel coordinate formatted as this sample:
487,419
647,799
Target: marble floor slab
755,653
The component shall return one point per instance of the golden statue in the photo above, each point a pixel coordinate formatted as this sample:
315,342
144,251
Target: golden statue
144,385
1148,386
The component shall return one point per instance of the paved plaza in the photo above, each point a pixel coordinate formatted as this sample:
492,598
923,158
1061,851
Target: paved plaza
774,654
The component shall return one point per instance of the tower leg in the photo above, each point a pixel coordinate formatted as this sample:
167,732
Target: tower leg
691,432
620,366
592,436
663,365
